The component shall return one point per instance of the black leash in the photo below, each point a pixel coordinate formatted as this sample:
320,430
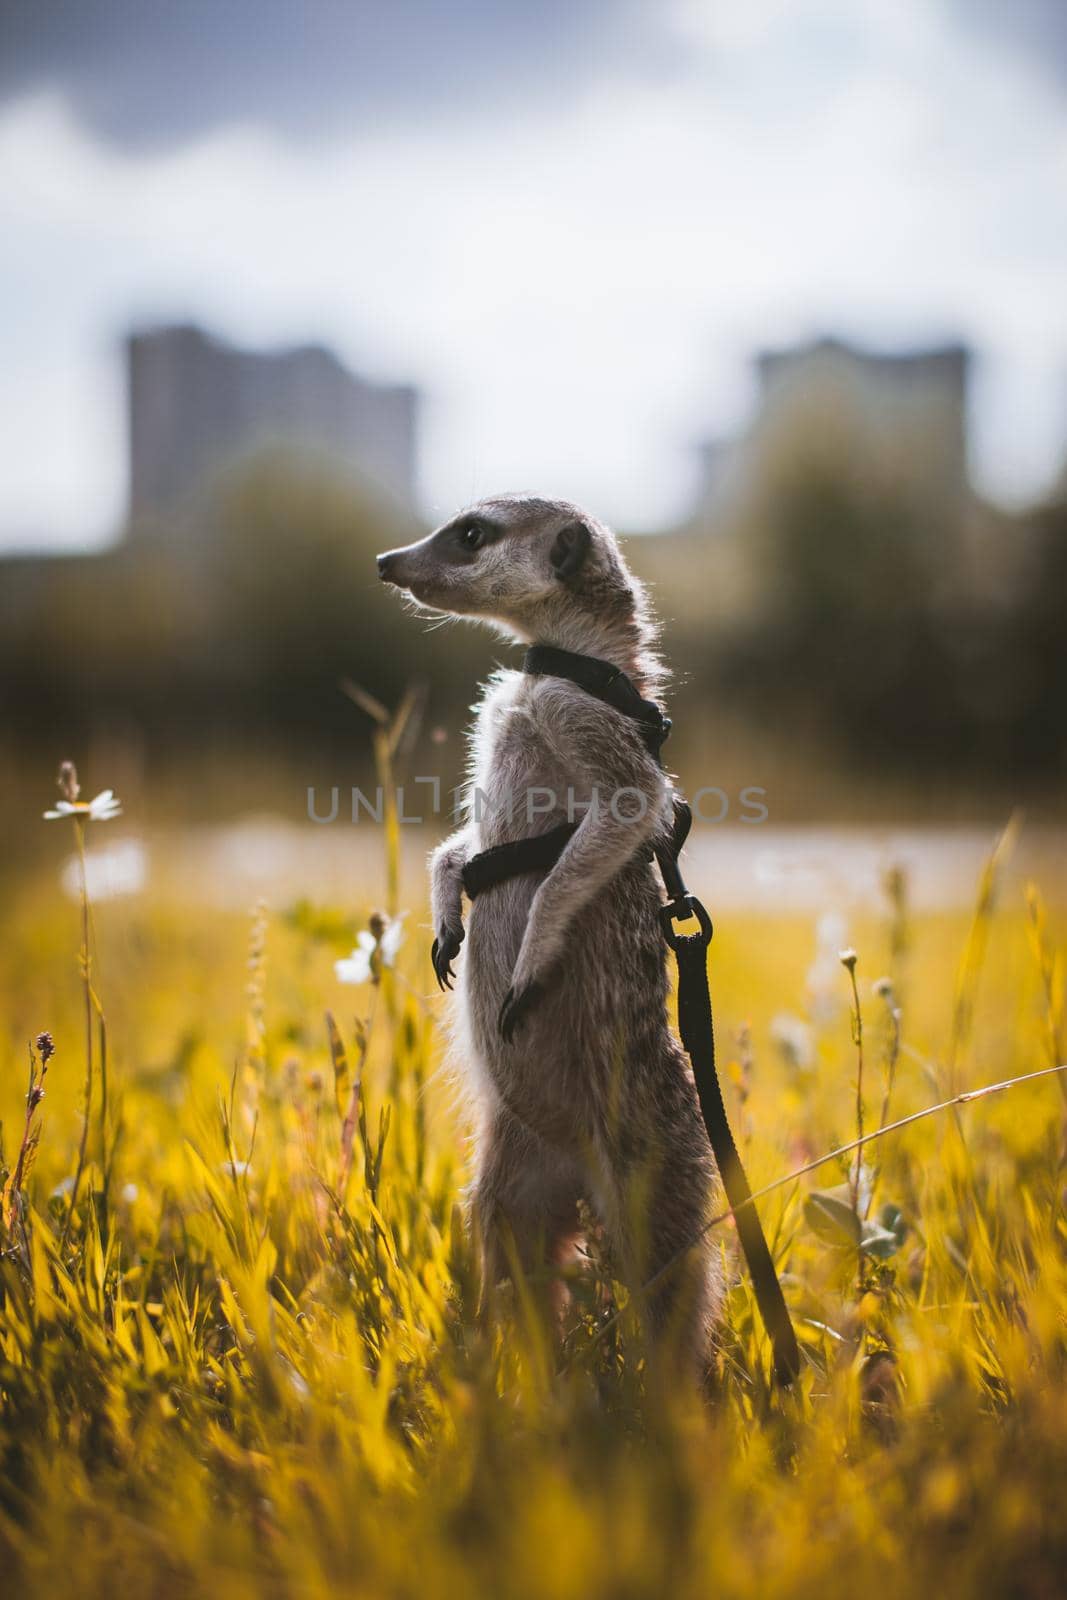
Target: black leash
695,1023
697,1030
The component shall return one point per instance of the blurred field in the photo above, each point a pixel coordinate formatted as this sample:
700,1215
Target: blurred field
244,1371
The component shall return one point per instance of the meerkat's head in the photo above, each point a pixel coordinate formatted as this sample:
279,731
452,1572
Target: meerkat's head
537,569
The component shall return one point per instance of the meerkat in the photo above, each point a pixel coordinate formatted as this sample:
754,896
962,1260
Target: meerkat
579,1089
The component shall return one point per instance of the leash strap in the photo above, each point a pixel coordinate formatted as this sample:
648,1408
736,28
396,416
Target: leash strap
695,1023
697,1030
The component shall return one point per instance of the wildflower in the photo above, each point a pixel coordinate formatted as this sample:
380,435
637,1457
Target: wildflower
848,958
46,1047
356,968
35,1096
883,988
376,946
101,808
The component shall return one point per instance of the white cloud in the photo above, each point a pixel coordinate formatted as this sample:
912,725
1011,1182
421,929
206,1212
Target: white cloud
576,288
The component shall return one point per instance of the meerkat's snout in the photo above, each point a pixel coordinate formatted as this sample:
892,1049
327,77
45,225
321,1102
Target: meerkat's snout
388,565
410,567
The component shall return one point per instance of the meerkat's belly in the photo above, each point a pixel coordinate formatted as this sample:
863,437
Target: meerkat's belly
597,1038
600,1022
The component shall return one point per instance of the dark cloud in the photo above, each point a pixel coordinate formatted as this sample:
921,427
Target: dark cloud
157,72
160,71
1036,29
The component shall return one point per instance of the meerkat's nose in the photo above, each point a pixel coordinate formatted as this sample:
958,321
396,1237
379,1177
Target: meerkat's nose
386,566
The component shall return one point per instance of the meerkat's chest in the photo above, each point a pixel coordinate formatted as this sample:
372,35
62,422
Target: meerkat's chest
523,779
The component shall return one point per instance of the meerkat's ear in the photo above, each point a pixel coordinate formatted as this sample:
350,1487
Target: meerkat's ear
569,549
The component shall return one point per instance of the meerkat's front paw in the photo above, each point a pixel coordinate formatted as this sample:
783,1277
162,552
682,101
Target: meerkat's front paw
443,952
518,1003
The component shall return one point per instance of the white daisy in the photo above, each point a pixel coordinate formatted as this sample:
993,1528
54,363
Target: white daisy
356,967
382,940
392,938
100,809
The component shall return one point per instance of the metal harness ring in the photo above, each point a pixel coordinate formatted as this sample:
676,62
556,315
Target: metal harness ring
680,909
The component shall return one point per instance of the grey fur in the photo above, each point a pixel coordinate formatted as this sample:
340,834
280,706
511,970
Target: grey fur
593,1097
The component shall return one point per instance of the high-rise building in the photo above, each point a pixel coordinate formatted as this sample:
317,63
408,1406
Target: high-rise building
913,402
920,395
197,404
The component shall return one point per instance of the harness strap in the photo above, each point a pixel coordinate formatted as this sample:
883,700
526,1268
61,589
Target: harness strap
604,682
695,1023
539,853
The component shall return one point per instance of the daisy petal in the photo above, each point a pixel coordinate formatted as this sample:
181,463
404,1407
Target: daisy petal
356,969
104,806
392,939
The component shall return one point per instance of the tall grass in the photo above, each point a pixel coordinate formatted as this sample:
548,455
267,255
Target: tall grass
242,1356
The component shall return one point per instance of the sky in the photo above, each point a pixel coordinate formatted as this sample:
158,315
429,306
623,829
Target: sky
569,222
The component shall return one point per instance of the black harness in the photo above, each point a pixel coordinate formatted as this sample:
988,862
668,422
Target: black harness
541,852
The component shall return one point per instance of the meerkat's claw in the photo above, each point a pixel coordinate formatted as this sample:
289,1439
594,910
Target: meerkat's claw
442,969
516,1009
442,953
441,972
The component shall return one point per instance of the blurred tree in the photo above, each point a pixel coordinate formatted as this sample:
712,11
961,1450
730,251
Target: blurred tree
864,614
248,626
849,601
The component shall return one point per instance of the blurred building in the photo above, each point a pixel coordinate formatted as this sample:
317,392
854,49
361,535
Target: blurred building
914,402
918,394
197,404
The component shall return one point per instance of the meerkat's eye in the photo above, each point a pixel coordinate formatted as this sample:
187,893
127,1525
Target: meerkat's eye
473,535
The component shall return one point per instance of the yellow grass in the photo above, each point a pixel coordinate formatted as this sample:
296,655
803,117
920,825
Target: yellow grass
244,1374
